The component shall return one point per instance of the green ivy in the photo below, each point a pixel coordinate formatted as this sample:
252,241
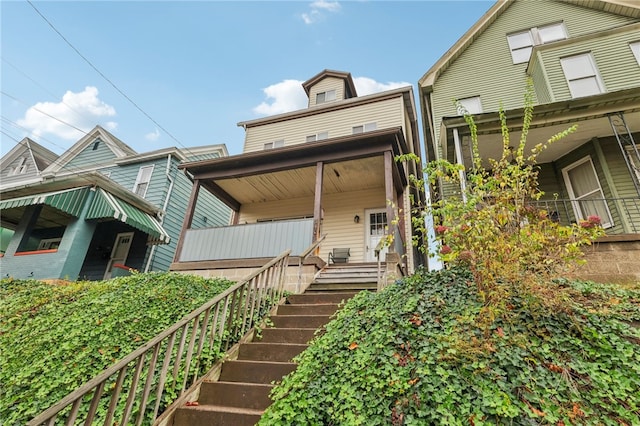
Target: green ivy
55,337
401,357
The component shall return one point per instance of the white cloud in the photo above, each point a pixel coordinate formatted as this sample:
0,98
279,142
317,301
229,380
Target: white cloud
153,136
367,86
82,110
288,95
316,10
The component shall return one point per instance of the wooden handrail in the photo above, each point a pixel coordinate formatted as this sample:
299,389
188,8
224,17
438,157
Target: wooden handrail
227,317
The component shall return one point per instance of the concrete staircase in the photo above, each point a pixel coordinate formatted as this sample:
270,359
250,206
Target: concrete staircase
241,394
347,277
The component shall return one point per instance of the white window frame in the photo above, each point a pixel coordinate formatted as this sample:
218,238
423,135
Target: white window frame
607,222
572,77
521,53
49,243
318,137
635,49
275,144
143,180
21,167
326,96
471,105
367,127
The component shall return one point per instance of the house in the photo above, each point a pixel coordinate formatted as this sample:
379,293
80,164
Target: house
98,210
325,175
583,59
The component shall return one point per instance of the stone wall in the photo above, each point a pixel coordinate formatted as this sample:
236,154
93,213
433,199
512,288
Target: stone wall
612,259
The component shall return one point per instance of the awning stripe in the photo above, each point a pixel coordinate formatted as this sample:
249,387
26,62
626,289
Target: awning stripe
69,201
106,205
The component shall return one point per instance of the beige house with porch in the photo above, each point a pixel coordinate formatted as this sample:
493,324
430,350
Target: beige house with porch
313,180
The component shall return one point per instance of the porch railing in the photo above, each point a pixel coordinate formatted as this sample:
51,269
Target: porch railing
139,387
618,215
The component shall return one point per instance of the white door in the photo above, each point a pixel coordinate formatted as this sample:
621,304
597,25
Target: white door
120,251
584,187
376,224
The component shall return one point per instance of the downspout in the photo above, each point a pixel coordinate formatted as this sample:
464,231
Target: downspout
164,210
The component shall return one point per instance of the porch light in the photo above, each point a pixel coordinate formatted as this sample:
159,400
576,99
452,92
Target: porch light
356,219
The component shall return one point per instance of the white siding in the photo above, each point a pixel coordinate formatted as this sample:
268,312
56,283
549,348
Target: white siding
386,113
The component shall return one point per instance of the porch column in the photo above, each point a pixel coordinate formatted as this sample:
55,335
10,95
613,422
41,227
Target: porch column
317,201
460,160
188,217
389,193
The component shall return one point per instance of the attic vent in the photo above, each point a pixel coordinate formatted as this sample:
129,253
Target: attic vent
95,145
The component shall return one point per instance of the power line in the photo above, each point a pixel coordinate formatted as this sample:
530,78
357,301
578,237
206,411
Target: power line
106,78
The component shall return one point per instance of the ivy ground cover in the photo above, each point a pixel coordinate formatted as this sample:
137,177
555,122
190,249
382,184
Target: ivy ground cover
55,337
414,355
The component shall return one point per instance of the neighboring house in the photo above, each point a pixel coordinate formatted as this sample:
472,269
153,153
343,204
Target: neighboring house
584,62
326,170
98,209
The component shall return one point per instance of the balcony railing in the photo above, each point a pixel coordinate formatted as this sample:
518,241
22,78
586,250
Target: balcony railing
618,215
140,386
255,240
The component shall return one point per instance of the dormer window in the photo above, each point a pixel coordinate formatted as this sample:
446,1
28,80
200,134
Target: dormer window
328,96
274,144
521,43
318,137
368,127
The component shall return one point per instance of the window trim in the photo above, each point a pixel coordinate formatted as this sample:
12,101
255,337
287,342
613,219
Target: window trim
21,168
606,222
317,137
595,75
325,98
275,144
139,180
366,127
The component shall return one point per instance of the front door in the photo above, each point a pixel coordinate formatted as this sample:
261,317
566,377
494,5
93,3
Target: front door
120,251
376,224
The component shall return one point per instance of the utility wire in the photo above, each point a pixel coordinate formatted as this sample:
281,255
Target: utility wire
106,78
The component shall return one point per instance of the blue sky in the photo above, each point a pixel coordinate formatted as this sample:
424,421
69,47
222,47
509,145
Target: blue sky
198,68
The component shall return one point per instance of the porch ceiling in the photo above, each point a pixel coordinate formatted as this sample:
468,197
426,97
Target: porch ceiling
351,175
490,139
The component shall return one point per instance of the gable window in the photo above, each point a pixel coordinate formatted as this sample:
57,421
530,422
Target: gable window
20,168
470,105
521,43
142,181
635,48
318,137
274,144
582,75
96,144
328,96
368,127
586,192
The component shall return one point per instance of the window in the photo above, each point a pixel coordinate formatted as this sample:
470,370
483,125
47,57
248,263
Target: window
328,96
470,105
585,191
582,75
635,48
20,168
142,181
274,144
49,243
364,128
522,42
318,137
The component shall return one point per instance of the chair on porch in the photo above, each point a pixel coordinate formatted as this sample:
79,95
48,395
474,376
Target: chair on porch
339,255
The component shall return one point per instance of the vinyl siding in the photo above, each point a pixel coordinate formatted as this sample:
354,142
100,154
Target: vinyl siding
386,113
486,69
88,158
614,60
326,84
31,170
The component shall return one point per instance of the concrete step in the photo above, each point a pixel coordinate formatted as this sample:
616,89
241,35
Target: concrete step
333,297
308,309
299,321
347,286
206,415
281,352
250,371
254,396
286,335
346,280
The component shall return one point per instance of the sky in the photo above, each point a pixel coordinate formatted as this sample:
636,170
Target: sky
182,74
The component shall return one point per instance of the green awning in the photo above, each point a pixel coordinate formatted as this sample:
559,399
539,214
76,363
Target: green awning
69,201
105,205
